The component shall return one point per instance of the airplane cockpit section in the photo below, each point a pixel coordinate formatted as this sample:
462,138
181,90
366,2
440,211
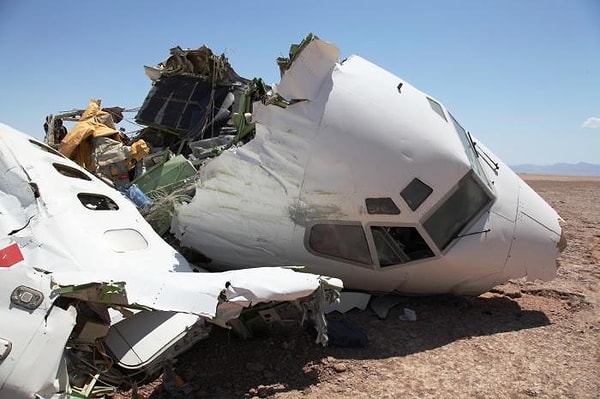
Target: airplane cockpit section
371,180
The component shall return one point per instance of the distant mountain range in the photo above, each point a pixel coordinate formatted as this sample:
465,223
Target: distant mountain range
570,169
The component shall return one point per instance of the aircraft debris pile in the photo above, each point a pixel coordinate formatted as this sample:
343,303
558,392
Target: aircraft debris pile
312,171
95,299
198,101
197,108
246,178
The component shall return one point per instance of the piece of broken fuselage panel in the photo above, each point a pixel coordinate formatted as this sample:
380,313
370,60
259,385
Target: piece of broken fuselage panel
192,95
92,285
366,178
198,105
33,333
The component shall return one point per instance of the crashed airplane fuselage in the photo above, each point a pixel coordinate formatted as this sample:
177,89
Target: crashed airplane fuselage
91,295
368,179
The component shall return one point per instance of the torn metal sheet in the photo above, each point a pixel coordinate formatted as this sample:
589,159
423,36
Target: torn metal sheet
166,177
349,300
408,315
202,291
72,248
186,88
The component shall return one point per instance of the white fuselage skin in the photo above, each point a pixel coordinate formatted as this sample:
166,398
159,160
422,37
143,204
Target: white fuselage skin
62,230
364,133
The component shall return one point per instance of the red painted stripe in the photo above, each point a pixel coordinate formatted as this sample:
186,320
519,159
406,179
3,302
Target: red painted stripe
10,255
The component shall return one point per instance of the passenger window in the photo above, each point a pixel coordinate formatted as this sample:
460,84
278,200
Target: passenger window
381,206
70,172
44,147
397,245
97,202
345,241
416,193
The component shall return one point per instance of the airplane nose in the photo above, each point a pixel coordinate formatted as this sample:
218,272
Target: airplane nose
538,238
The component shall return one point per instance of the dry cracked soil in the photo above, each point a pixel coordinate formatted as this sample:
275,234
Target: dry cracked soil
520,340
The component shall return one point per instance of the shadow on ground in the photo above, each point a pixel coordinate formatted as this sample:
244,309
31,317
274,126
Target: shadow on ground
288,359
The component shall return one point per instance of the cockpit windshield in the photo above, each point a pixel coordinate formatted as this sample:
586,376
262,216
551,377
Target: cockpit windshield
456,212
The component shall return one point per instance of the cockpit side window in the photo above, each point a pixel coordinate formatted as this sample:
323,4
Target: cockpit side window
344,241
381,206
396,245
437,108
469,149
415,193
457,211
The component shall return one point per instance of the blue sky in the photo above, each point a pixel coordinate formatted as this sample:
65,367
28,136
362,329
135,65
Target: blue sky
522,75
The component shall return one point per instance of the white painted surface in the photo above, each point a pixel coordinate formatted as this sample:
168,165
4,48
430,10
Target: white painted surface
358,136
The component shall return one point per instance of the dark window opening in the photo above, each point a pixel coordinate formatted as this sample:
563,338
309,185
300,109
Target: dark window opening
345,241
97,202
381,206
457,211
416,193
70,172
397,245
437,108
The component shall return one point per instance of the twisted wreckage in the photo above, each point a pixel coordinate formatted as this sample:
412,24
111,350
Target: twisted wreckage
342,167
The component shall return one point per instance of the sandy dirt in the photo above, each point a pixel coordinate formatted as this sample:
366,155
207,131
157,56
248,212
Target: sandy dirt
521,340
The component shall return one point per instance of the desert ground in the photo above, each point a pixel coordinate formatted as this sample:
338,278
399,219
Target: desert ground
520,340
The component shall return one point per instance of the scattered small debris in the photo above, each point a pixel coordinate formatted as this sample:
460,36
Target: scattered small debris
348,301
174,385
382,305
409,315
